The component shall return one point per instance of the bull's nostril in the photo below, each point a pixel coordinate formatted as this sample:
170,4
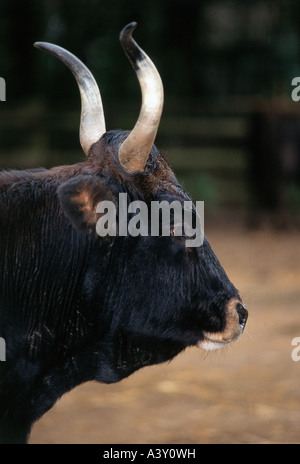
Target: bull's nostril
242,312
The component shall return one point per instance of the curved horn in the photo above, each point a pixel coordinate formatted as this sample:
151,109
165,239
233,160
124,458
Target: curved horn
92,122
135,150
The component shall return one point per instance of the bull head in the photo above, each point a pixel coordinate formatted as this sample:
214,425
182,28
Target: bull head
134,151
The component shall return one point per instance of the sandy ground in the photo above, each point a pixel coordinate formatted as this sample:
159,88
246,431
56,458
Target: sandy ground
246,393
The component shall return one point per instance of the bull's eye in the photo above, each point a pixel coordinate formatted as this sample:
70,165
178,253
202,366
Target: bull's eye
180,231
177,231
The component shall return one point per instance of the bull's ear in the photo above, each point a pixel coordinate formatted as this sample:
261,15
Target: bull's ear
79,198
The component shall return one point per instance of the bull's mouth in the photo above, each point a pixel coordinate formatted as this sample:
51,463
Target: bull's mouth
236,318
210,341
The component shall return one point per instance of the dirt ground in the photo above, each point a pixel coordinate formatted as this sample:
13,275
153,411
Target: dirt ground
246,393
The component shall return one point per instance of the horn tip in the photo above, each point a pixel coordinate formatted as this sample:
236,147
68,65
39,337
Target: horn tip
42,45
128,30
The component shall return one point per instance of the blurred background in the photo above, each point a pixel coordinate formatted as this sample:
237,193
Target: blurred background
231,131
227,68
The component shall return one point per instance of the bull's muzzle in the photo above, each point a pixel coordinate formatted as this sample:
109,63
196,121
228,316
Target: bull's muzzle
236,318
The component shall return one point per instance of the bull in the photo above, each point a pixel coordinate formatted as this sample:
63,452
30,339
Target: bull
77,307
